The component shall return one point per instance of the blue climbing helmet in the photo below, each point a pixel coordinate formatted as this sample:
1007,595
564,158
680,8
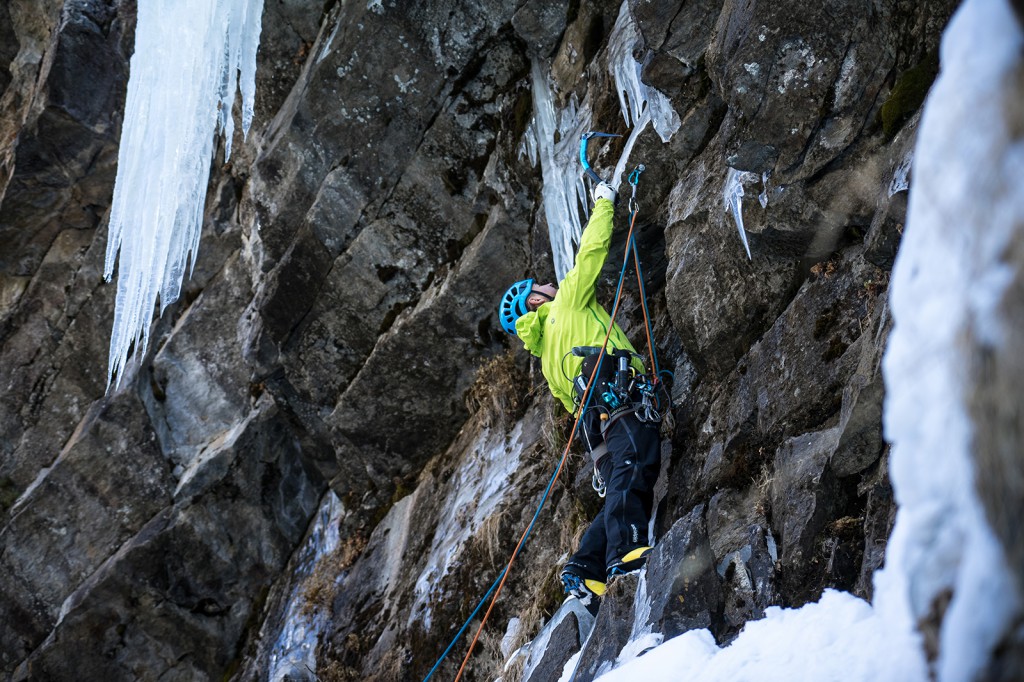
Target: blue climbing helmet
513,304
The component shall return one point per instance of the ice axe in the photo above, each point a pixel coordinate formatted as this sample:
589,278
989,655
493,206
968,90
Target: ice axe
583,153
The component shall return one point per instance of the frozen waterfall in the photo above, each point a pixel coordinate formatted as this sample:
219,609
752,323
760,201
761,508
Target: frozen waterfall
191,59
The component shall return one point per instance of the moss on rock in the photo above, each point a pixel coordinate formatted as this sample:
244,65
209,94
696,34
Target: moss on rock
908,93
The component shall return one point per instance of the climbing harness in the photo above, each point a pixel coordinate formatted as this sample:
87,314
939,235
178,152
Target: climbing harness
619,393
585,399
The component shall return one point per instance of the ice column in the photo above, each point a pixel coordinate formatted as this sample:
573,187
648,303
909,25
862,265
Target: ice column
949,300
554,137
191,59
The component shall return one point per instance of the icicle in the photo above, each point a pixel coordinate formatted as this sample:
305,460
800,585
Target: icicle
528,145
627,150
763,196
732,194
326,49
633,94
181,91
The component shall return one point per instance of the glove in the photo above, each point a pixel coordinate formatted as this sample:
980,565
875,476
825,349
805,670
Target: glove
605,191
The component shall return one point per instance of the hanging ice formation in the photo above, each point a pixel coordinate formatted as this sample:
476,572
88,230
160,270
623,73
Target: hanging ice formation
732,197
564,189
901,176
633,93
180,94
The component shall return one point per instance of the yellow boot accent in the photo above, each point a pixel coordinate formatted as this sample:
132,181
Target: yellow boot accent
635,554
595,586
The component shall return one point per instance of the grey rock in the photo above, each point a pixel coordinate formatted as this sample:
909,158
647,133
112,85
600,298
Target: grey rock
73,125
612,629
679,32
754,157
879,517
199,391
419,369
707,262
560,638
682,585
106,484
821,334
803,492
540,24
885,232
175,599
745,554
730,517
748,581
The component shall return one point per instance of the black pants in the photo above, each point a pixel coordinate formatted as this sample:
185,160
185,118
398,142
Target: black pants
630,470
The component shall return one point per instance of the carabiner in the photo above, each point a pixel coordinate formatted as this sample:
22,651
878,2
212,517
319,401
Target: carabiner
634,180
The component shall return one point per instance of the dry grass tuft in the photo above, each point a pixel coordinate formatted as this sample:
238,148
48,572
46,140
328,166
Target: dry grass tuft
500,391
335,671
321,586
488,661
490,531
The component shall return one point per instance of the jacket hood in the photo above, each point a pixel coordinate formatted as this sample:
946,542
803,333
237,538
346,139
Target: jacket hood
529,329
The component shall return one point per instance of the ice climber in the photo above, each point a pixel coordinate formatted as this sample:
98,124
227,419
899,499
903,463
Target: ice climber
622,440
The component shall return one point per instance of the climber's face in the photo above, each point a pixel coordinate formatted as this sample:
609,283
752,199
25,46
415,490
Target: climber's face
541,294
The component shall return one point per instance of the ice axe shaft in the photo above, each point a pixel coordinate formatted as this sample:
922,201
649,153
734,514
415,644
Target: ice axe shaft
584,138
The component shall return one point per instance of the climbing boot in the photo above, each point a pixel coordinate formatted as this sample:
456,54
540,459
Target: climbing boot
586,590
630,562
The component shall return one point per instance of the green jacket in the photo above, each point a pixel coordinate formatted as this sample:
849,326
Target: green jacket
574,318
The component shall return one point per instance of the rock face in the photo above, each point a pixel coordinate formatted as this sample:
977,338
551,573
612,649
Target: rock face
340,332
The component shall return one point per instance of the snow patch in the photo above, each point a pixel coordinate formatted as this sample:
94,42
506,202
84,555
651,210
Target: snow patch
838,638
963,214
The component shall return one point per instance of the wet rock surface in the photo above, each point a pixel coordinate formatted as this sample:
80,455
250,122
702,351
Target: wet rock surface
612,630
340,331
